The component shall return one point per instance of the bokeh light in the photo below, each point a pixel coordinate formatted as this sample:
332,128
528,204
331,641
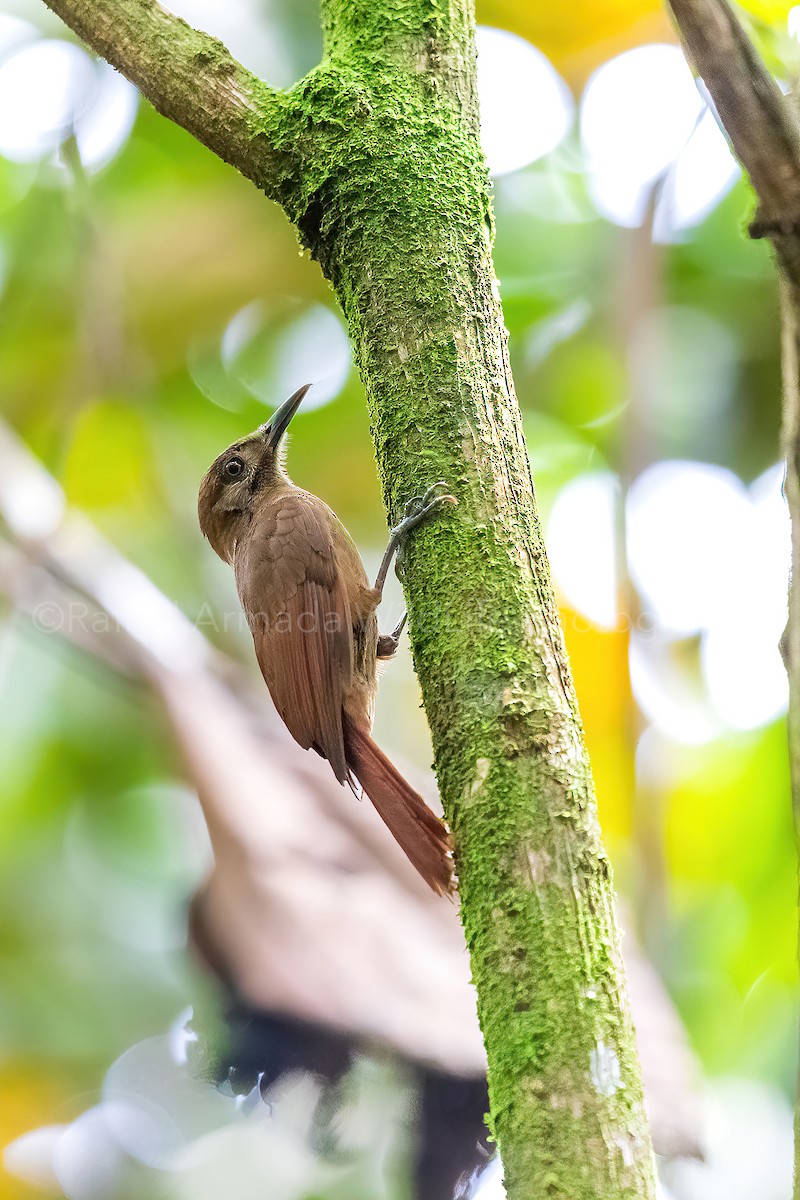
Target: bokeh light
582,545
685,526
701,175
526,108
749,1139
273,356
262,46
710,560
14,32
669,697
51,90
641,114
741,659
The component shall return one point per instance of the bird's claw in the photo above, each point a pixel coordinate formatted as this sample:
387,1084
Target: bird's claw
417,510
418,505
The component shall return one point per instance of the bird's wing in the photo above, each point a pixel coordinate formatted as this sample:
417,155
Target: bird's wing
301,621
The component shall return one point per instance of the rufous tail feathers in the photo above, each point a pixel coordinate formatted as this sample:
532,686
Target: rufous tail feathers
418,831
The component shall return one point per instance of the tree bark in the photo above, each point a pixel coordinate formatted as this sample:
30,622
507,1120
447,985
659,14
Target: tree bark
375,158
762,126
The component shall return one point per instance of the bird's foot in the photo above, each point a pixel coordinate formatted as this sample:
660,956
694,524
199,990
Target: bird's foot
419,508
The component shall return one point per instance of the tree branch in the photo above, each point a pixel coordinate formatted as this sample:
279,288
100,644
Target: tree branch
763,129
761,125
191,78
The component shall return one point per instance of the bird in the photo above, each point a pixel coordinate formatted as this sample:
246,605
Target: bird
313,616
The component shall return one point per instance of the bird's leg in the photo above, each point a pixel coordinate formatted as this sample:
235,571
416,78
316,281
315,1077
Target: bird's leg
418,509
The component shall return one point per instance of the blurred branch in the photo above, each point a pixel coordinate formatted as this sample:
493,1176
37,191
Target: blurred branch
296,863
104,352
191,78
758,119
763,128
640,293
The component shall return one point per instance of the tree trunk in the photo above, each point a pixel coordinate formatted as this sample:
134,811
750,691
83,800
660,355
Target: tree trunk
375,158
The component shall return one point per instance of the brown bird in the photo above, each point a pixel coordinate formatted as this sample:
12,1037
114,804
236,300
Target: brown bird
312,614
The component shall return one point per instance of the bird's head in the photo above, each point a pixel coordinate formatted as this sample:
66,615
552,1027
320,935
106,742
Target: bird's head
238,478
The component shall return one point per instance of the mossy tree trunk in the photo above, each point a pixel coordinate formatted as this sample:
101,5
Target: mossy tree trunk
375,158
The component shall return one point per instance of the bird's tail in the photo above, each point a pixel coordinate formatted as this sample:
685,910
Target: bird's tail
418,831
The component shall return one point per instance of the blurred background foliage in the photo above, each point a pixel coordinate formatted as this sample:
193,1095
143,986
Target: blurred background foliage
153,308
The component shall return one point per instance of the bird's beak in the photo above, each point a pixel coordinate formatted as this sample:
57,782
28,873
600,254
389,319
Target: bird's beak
278,423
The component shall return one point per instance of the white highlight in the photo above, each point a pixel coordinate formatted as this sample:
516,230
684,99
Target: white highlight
711,558
257,43
30,1157
641,117
605,1069
154,1107
747,1143
315,348
671,700
710,561
741,661
88,1162
703,173
272,359
14,32
526,108
181,1037
102,130
33,504
685,523
581,543
489,1184
131,598
50,89
43,88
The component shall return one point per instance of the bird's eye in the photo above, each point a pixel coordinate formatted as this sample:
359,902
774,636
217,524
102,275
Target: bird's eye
234,467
